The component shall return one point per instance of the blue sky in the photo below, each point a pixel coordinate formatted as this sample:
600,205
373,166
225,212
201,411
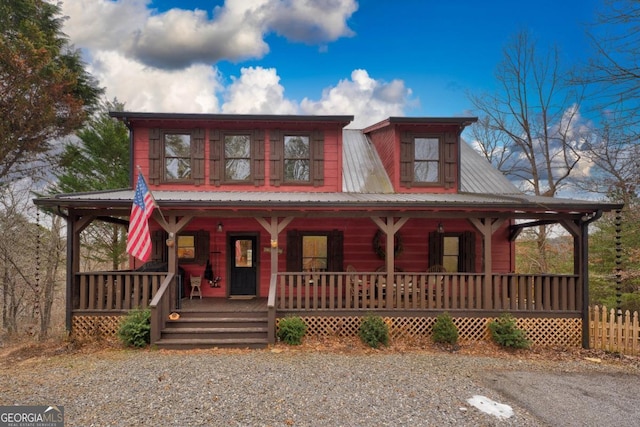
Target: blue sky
368,58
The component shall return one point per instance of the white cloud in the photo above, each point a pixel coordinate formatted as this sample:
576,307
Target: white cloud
178,38
161,62
257,91
141,88
367,99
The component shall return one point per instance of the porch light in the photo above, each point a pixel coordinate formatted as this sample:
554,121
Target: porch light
220,227
440,228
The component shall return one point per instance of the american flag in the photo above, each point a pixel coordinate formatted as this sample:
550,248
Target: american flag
139,238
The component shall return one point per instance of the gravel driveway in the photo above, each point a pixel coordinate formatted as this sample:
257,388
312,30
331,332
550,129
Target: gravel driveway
287,387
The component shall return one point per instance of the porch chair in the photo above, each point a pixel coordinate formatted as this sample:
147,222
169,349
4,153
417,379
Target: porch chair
195,286
355,283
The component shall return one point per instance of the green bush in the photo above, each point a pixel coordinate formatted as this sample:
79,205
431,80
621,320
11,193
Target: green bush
505,332
135,329
373,331
291,330
444,330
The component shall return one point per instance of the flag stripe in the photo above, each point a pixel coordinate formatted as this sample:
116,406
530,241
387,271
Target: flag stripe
139,237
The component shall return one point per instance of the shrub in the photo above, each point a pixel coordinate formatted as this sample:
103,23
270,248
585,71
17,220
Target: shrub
135,329
444,330
373,331
291,330
504,332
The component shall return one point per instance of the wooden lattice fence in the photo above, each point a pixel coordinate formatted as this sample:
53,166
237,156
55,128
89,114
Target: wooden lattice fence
613,332
541,331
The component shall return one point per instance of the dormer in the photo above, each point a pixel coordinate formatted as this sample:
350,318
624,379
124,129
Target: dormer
420,154
232,152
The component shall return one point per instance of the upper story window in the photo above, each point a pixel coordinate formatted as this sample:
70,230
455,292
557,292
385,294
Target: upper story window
297,158
426,160
177,156
423,162
237,158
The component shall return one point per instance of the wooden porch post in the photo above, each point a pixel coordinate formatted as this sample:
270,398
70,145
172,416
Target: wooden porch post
274,228
173,227
389,227
487,226
75,225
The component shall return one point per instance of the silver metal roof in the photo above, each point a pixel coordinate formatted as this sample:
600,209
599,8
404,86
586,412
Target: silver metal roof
477,175
362,170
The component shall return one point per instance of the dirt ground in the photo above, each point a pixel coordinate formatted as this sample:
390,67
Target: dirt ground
12,352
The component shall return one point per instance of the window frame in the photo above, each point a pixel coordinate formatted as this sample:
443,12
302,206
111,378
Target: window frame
250,178
439,161
335,249
310,159
466,250
164,157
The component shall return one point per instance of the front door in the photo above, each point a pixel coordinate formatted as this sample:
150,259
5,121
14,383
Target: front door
243,254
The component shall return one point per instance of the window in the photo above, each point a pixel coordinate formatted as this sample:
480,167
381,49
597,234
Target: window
456,252
451,252
187,247
237,158
192,246
314,250
297,158
177,157
314,253
426,160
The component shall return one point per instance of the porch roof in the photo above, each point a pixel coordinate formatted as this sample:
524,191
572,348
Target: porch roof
292,201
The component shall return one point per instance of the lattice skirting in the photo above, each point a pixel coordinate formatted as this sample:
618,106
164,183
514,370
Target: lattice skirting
545,332
95,326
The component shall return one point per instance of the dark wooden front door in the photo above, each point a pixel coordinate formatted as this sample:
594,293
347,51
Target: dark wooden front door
243,259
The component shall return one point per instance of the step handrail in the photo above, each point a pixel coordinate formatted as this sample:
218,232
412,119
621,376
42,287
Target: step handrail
160,307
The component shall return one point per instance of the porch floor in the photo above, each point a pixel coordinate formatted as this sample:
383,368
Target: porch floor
223,305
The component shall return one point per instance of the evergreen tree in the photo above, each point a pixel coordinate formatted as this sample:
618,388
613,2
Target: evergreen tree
99,160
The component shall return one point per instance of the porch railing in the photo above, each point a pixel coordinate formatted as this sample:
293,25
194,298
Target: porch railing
116,290
427,291
161,305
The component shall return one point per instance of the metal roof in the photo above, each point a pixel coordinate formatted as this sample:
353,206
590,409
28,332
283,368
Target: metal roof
477,175
132,116
362,169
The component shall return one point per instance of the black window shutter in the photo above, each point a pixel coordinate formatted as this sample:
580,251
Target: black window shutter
276,157
202,246
258,157
335,251
468,252
436,248
294,250
216,167
155,156
198,156
159,246
406,159
317,166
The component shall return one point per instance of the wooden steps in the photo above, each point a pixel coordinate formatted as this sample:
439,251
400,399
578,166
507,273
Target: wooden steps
201,329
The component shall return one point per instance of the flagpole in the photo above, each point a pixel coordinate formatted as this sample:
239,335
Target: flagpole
164,220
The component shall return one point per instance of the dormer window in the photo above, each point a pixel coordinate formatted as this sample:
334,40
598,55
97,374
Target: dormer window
297,158
426,160
237,158
177,157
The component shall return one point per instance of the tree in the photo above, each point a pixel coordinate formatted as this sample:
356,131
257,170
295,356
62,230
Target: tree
529,128
45,92
98,160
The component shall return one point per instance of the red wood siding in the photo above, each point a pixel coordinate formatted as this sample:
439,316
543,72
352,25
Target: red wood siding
332,155
358,246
